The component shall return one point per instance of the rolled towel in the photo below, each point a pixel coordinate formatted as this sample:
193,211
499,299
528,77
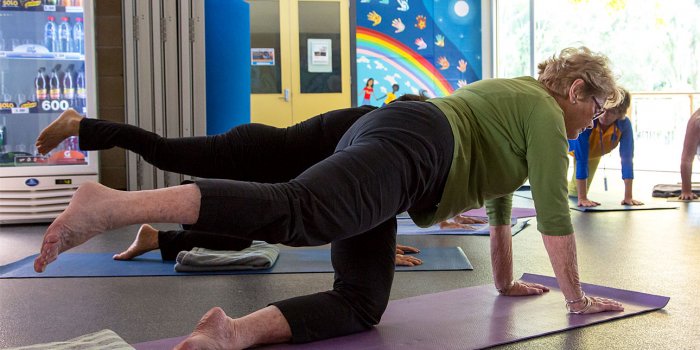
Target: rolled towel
260,255
669,190
104,339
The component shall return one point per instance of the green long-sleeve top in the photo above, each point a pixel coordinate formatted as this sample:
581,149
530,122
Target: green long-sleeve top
505,131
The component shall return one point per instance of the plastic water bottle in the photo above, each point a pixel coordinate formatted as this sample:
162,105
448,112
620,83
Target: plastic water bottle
79,36
50,35
68,87
82,94
65,42
54,86
40,84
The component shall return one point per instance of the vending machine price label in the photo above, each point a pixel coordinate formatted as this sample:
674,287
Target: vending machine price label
74,9
10,3
50,8
20,110
54,105
30,159
7,105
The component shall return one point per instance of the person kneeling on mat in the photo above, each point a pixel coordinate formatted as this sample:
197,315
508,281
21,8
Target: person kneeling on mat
434,159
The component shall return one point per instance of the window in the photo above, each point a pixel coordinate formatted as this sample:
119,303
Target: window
654,47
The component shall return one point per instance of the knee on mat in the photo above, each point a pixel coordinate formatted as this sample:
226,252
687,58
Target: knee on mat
369,307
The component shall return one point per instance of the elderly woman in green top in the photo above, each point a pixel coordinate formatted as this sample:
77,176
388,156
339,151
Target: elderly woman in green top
434,159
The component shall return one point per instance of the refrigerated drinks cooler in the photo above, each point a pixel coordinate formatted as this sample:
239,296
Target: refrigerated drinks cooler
46,67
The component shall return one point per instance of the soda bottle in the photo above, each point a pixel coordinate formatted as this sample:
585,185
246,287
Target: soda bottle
68,87
79,36
54,86
82,94
50,2
65,43
50,35
40,84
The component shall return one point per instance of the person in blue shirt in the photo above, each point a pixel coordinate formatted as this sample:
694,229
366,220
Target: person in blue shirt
612,129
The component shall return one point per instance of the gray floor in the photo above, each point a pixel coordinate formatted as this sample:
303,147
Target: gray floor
656,252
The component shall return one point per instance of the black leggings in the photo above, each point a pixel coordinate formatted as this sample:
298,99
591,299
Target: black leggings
250,152
391,160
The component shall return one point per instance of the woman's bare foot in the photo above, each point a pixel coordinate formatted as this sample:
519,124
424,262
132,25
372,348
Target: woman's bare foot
146,240
218,331
87,215
65,126
214,331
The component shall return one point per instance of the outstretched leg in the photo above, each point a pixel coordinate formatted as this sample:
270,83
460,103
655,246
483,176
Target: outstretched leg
249,152
95,208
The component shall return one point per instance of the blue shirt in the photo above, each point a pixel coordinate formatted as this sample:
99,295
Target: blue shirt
596,142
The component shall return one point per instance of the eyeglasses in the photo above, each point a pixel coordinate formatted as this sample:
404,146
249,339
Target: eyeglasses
599,110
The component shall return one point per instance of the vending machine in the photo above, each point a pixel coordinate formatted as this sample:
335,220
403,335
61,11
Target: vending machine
47,65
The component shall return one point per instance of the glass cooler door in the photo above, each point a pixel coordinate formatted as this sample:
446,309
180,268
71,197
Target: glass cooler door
42,73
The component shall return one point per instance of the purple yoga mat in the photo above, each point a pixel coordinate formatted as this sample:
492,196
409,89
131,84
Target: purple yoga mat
471,318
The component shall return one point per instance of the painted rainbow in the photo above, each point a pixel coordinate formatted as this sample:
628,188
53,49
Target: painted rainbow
374,44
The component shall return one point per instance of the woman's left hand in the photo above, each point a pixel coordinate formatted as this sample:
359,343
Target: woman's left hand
403,249
407,260
630,201
520,288
469,220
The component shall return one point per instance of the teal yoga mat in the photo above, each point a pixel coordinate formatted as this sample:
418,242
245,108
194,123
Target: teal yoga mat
290,261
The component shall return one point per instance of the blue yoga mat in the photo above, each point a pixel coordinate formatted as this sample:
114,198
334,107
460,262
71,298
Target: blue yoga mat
407,227
150,264
608,202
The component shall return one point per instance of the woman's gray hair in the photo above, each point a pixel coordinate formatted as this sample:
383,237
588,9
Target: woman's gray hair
558,72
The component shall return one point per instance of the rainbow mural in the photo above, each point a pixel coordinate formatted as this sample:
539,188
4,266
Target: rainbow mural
374,44
429,47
